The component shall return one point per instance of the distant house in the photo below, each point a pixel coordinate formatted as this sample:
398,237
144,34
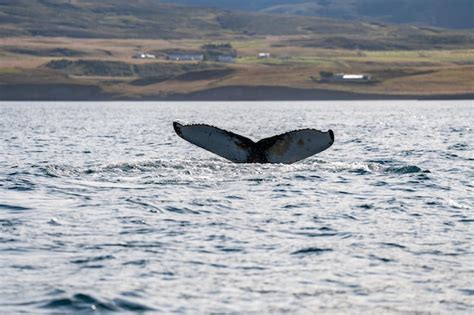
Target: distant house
355,78
263,55
185,57
142,55
225,59
344,77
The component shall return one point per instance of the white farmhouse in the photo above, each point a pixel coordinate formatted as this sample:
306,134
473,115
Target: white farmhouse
143,55
263,55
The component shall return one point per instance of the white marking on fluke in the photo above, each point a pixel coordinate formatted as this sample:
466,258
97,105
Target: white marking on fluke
286,148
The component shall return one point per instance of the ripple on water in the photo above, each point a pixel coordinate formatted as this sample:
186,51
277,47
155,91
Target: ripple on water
375,166
459,147
92,259
311,251
13,208
87,302
469,292
404,169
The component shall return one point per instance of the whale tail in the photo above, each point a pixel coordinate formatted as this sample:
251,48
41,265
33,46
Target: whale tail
286,148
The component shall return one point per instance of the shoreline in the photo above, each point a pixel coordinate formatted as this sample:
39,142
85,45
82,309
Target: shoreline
77,92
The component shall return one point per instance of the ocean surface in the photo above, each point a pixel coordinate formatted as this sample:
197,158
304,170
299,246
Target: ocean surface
104,209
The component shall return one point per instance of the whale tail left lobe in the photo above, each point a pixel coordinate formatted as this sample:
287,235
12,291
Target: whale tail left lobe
228,145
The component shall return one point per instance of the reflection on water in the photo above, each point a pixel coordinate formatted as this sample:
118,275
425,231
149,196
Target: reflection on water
103,207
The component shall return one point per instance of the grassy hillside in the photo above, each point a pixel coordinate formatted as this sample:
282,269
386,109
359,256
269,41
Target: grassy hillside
105,68
150,19
104,19
439,13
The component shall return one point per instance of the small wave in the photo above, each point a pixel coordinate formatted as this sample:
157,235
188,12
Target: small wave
19,184
359,168
397,169
8,226
460,129
181,210
312,251
382,162
376,166
80,302
9,223
459,147
92,259
455,204
130,306
56,171
54,221
315,234
85,302
13,208
404,169
140,202
382,259
366,206
130,167
469,292
394,245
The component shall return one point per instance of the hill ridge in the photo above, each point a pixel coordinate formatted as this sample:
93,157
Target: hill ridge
456,14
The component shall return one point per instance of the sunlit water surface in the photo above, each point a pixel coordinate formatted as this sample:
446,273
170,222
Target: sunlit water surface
103,208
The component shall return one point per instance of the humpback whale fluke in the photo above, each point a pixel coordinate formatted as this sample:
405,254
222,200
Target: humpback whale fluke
286,148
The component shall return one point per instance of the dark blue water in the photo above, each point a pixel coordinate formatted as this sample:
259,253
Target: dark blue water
103,208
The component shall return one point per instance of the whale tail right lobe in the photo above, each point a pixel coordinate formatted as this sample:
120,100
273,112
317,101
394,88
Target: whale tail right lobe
293,146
